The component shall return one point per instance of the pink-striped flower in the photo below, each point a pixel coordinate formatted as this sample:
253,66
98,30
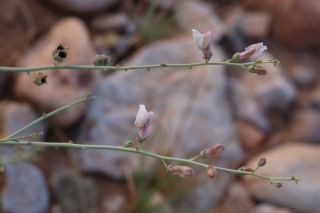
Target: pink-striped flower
143,121
182,171
253,51
203,42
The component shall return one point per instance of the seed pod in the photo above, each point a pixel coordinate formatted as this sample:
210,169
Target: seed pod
38,78
59,53
262,162
211,171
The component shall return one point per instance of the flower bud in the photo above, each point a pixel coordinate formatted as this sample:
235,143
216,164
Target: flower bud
203,42
253,51
214,150
211,171
182,171
142,121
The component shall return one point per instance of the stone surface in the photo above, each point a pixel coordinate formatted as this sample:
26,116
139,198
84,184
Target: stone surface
255,25
237,200
119,21
303,76
198,15
14,116
74,193
294,22
25,189
245,106
84,6
191,113
267,208
298,160
272,91
249,135
256,95
305,127
63,86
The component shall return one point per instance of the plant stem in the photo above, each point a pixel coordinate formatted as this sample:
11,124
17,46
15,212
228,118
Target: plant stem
125,68
46,116
162,158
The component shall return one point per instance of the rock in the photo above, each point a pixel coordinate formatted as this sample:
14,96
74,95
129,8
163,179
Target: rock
83,6
75,194
303,76
255,25
256,95
249,135
192,14
191,113
245,106
305,127
63,86
267,208
272,91
300,160
25,189
293,22
119,22
237,200
14,116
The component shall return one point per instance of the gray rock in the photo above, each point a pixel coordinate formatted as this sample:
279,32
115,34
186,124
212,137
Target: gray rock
15,115
198,15
191,113
256,95
305,127
255,24
84,6
267,208
119,21
298,160
303,76
63,85
245,106
271,91
74,193
25,189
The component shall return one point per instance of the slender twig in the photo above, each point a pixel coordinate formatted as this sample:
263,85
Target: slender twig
125,68
47,115
162,158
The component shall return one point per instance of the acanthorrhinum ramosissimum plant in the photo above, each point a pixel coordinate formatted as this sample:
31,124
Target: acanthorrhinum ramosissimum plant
183,167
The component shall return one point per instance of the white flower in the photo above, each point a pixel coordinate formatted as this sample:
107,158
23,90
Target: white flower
253,51
142,121
203,42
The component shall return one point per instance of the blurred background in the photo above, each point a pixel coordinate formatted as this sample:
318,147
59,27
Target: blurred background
275,116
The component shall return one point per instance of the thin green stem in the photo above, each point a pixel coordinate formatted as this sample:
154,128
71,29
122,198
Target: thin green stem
47,115
125,68
162,158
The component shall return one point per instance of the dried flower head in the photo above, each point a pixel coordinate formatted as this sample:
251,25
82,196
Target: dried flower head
101,60
59,53
38,78
203,42
253,51
142,121
182,171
